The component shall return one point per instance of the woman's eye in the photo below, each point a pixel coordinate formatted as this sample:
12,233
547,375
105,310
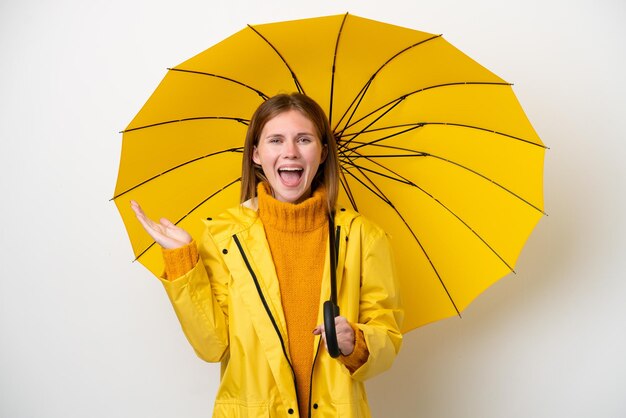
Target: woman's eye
304,139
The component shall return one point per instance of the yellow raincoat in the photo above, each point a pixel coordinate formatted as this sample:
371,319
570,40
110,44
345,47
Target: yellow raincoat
230,309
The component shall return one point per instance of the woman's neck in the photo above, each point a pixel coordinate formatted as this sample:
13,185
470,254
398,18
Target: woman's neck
307,215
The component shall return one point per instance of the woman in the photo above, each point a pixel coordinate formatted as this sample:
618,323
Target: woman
250,294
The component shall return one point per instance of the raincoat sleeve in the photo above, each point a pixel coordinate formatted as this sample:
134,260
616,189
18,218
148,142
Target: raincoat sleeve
200,300
380,312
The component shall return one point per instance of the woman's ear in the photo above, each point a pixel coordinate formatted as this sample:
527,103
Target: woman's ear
324,153
255,156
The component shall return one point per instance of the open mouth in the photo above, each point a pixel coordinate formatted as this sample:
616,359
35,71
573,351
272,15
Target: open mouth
290,176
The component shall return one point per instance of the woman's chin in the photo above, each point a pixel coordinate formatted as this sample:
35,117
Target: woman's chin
291,195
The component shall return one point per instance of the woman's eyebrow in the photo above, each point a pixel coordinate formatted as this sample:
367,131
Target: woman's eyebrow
270,136
277,135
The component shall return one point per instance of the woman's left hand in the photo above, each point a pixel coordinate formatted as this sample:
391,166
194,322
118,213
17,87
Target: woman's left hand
345,335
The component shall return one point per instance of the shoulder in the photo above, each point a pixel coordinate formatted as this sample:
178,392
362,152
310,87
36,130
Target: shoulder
353,222
230,222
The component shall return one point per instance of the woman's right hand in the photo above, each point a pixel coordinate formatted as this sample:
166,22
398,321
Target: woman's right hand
164,232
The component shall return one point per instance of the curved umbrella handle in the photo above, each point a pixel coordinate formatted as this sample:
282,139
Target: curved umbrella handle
330,312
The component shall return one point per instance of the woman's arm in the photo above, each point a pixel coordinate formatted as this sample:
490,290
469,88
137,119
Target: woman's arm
197,290
380,312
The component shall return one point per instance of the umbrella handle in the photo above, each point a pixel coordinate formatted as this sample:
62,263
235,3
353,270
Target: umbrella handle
330,312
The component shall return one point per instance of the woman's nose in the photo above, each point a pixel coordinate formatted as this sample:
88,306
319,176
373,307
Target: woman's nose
291,149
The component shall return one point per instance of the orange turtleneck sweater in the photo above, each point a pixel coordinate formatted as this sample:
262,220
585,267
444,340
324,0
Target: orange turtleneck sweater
297,235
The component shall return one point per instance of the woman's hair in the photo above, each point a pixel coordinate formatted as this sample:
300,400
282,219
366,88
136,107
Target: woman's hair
328,171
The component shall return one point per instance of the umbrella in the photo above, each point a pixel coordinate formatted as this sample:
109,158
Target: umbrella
433,147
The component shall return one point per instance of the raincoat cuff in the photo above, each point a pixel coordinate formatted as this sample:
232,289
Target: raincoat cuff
179,261
359,355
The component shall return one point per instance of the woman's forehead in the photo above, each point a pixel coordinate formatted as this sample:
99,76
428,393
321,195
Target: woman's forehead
289,121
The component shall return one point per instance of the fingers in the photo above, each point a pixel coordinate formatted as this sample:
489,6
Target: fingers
318,330
146,222
167,223
149,225
345,335
164,232
137,209
135,206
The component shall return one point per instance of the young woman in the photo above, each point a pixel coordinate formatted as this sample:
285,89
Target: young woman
250,294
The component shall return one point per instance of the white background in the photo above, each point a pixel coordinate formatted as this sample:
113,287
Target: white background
84,332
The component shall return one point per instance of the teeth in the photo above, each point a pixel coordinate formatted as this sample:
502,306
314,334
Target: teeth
289,169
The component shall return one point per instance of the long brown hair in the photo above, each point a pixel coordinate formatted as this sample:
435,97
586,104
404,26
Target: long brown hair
328,171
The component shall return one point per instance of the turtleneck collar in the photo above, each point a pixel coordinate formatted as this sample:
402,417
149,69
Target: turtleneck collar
308,215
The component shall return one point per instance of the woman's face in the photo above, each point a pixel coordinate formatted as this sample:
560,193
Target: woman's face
290,152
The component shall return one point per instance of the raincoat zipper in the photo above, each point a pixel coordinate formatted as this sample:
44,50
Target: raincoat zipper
267,309
319,342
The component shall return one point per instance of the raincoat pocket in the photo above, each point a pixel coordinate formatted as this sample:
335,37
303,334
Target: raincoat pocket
353,410
235,409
